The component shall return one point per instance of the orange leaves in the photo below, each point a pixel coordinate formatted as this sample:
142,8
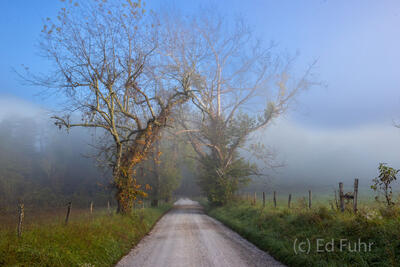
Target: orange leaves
129,190
141,141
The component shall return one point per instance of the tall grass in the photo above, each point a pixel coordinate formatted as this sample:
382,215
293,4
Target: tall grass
275,230
98,240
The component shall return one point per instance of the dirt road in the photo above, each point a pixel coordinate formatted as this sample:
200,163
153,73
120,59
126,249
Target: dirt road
186,237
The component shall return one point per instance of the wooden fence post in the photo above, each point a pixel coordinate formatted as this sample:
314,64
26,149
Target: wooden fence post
275,199
309,199
20,218
355,195
91,207
255,198
68,212
341,198
263,199
289,200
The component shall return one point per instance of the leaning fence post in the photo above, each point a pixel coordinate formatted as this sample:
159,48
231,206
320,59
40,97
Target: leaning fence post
309,199
263,199
341,197
20,218
289,200
91,207
355,195
275,199
68,212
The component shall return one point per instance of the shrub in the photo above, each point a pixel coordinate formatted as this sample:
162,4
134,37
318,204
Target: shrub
382,183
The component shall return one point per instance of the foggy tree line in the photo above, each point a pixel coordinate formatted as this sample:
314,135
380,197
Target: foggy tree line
45,167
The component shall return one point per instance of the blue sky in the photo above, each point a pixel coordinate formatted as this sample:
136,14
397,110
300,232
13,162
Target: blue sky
346,128
357,44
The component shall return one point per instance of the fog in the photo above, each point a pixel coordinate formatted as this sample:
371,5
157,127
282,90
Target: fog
46,166
12,106
320,158
312,157
41,164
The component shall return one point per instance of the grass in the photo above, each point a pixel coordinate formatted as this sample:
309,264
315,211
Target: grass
99,240
275,231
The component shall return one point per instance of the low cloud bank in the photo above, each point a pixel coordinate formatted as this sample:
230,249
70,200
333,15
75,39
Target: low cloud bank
318,157
313,158
15,107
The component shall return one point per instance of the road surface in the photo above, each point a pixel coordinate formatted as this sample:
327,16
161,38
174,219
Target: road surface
186,237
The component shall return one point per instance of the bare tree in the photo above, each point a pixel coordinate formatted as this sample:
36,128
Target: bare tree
238,89
109,67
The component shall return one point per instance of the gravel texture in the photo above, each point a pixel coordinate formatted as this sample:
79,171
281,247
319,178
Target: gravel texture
186,237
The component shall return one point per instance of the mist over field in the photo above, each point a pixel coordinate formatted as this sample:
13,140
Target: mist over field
321,158
42,165
311,157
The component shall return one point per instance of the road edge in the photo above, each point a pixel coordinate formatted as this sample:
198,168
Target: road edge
207,208
147,233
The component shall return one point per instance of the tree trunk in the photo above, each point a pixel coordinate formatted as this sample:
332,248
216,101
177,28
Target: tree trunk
156,166
124,174
122,206
126,193
154,203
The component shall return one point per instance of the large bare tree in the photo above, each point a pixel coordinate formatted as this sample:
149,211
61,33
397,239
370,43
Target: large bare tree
240,86
110,69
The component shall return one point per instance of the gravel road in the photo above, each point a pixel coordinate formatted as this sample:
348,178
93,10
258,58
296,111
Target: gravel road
187,237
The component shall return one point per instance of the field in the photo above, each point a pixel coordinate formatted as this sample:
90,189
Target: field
97,239
320,236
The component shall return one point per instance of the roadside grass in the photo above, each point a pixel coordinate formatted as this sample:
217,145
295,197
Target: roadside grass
98,240
276,229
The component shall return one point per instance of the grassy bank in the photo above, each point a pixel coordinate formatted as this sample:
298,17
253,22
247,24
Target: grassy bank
275,231
99,240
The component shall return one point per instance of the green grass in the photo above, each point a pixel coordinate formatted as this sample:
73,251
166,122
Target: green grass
275,231
100,240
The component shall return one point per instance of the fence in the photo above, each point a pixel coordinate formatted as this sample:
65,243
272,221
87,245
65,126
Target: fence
68,209
340,204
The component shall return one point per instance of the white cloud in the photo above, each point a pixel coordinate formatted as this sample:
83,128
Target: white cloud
11,106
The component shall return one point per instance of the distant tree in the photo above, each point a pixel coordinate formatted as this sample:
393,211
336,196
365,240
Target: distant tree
383,183
239,88
108,65
163,170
